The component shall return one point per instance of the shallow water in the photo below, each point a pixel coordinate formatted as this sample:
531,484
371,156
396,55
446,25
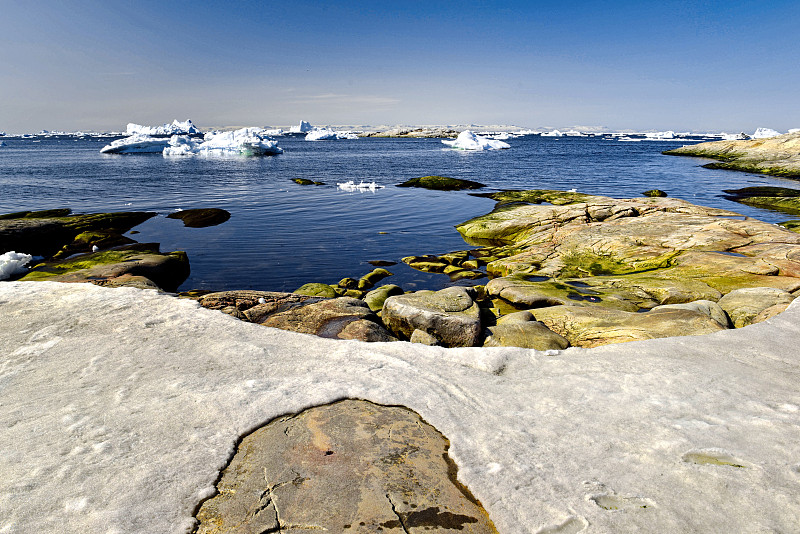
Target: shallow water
282,235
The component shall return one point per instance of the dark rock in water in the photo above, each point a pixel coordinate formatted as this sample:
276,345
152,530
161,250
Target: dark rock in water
351,466
44,233
306,181
655,193
118,267
381,263
450,315
348,283
342,318
201,217
441,183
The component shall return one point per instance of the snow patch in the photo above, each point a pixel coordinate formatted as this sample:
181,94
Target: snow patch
13,263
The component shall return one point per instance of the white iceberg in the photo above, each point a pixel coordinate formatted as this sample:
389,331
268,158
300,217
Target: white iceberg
362,186
13,263
137,144
763,133
741,136
793,130
467,140
660,136
554,133
165,130
242,142
326,134
303,127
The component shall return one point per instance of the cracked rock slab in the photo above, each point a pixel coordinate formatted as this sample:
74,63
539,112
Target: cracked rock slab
351,466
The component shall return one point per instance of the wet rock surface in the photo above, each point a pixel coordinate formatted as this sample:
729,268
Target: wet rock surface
441,183
782,199
352,466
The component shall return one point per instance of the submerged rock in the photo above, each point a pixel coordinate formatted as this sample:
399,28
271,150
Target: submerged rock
449,315
201,217
655,193
348,466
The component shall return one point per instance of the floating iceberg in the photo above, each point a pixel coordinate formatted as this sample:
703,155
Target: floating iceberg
659,136
242,142
467,140
363,186
326,134
793,130
303,127
165,130
763,133
136,144
554,133
13,263
741,136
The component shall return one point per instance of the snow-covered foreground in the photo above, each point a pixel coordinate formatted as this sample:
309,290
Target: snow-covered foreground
120,406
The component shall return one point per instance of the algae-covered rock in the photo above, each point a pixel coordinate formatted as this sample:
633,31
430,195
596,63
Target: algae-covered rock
86,241
306,181
423,338
351,466
44,233
373,277
655,193
201,217
378,296
314,289
594,326
776,198
794,226
525,334
743,305
115,267
441,183
450,315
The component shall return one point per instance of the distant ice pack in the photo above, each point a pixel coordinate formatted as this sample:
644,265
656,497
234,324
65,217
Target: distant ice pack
468,140
325,134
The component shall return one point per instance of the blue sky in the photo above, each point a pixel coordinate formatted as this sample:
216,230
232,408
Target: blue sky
676,65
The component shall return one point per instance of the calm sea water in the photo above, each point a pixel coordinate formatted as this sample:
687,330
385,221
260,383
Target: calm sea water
282,235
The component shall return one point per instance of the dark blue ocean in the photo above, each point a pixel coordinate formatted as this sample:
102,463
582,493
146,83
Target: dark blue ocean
282,235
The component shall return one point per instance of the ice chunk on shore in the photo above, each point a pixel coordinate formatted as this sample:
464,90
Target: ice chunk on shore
242,142
136,144
362,186
13,263
303,127
763,133
165,130
467,140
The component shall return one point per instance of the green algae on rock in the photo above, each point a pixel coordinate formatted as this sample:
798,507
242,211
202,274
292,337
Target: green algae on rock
315,289
776,198
306,181
776,156
441,183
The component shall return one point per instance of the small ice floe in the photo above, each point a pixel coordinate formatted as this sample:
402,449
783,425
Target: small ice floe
741,136
764,133
242,142
136,144
362,186
660,136
573,190
13,263
467,140
553,133
326,134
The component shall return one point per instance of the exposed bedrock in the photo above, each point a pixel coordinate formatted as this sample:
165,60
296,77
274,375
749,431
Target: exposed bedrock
777,156
351,466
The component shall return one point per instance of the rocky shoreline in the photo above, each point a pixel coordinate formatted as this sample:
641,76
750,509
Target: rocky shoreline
776,156
564,269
